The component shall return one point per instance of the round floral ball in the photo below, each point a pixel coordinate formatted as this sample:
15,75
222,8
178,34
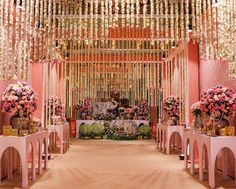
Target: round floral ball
218,101
19,98
171,106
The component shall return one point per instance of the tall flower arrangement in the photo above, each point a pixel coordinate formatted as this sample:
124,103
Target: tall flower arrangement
19,98
218,101
171,106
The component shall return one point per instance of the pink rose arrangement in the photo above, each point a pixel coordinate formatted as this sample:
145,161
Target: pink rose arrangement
196,108
143,109
219,100
171,106
85,106
19,98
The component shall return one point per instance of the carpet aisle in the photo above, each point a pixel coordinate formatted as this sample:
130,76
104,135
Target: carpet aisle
106,164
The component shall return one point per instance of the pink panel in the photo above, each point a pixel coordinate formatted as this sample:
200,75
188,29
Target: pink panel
213,72
193,75
37,84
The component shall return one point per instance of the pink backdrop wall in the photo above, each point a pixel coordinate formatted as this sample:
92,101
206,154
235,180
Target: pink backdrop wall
213,72
37,84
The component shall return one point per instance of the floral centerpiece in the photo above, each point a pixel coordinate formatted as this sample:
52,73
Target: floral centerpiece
196,108
197,112
217,104
171,106
85,108
219,101
143,109
19,99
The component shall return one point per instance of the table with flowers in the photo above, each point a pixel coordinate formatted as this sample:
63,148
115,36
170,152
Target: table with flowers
39,144
212,133
164,134
210,146
63,132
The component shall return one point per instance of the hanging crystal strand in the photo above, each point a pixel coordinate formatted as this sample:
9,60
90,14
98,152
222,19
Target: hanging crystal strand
2,37
10,40
187,20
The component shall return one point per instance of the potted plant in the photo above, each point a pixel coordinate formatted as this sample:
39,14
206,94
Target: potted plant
98,130
86,131
144,131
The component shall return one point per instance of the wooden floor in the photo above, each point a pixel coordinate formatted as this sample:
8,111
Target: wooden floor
107,164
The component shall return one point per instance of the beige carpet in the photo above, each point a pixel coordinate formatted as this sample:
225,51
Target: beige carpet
106,164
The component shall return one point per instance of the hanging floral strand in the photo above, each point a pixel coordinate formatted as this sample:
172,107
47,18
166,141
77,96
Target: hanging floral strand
102,23
152,22
96,23
187,20
5,28
41,28
23,45
10,43
176,23
144,13
2,37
